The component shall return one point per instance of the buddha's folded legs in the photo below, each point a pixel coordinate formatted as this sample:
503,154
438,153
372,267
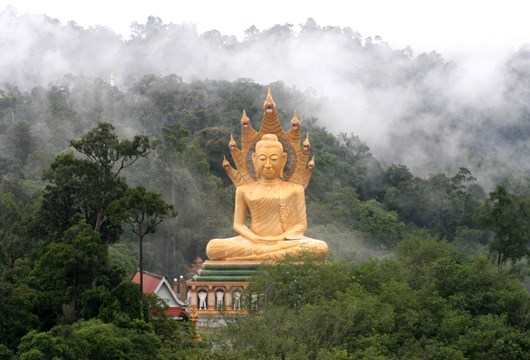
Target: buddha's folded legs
221,249
239,248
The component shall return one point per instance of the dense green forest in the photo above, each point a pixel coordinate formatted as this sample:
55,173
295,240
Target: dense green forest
429,255
420,267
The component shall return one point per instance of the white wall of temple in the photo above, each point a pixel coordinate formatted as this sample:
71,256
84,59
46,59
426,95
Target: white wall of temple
164,294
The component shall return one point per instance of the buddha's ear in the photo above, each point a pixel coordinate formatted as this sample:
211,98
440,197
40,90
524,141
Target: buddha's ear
283,163
254,158
284,157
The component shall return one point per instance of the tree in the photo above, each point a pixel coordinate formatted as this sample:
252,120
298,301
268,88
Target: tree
12,244
509,217
16,308
85,188
110,155
5,353
382,224
21,142
69,267
427,302
439,202
143,211
92,339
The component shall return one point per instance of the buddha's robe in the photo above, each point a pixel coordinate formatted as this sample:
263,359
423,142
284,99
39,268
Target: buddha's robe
274,210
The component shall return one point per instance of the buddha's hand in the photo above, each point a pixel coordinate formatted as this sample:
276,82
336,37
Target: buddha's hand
272,238
281,237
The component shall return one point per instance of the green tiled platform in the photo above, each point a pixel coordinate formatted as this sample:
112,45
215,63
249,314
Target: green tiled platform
226,271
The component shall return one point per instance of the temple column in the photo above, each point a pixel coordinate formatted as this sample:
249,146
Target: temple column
228,298
211,298
192,296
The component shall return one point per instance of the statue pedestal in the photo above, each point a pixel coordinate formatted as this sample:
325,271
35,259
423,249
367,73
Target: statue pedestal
217,293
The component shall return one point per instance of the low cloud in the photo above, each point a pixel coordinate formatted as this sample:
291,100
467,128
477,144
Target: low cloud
421,110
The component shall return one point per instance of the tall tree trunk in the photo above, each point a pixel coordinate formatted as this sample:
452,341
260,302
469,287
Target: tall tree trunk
141,267
99,220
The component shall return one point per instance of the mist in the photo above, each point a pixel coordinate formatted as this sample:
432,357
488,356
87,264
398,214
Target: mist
421,110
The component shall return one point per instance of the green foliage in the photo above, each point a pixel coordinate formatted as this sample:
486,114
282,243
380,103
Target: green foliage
430,303
5,353
310,283
174,139
13,228
85,188
191,123
79,190
343,206
440,203
43,346
61,261
122,259
112,155
21,143
383,225
213,141
68,268
119,304
176,338
141,209
342,161
91,340
509,217
17,317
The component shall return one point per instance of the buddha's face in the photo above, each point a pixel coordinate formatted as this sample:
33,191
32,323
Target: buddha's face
269,160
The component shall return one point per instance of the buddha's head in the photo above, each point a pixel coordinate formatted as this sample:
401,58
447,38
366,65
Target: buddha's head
269,158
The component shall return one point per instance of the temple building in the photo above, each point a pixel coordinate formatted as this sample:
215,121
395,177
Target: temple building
160,286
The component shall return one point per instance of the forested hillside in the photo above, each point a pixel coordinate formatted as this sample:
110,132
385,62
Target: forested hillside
354,202
429,231
53,193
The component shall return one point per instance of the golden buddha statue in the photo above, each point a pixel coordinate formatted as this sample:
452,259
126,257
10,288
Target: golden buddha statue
272,172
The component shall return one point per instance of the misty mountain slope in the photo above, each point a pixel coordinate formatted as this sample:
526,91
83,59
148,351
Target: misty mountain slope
356,203
420,110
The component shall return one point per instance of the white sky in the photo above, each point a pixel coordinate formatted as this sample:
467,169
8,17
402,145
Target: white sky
465,28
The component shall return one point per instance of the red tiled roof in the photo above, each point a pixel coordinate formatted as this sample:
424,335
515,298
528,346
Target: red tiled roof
151,281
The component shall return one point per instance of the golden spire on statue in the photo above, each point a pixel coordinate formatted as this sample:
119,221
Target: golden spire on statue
272,169
298,172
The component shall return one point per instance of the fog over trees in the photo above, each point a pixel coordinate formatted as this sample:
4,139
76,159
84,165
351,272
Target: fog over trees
416,109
